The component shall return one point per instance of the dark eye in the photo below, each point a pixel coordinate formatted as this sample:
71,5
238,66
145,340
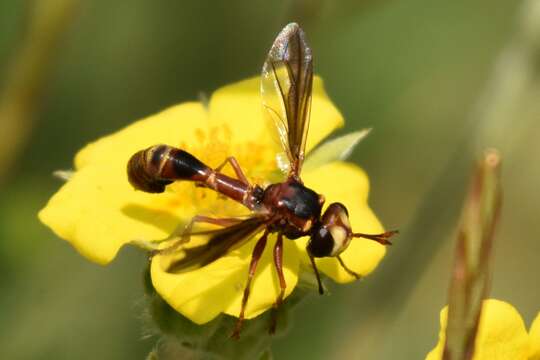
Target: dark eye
328,240
321,243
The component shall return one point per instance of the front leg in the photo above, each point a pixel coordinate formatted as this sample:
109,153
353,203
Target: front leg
316,271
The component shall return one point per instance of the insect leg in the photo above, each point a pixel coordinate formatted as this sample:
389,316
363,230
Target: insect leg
184,233
236,167
312,259
380,238
278,262
347,269
255,257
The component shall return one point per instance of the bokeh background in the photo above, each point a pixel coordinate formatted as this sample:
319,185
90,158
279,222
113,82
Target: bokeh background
437,80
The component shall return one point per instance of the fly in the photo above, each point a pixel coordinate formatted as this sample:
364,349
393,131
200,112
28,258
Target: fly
288,208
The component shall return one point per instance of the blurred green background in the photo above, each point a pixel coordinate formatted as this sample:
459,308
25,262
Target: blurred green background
437,80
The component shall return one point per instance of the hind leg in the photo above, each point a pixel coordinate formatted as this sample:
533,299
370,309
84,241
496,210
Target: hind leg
255,257
278,263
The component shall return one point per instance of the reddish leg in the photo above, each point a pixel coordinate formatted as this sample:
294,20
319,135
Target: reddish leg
237,170
207,220
312,259
278,262
185,233
380,238
346,268
255,257
236,167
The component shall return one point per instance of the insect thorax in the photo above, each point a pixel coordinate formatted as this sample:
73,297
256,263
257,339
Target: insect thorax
296,206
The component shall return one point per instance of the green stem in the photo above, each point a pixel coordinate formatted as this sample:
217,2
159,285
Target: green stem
470,278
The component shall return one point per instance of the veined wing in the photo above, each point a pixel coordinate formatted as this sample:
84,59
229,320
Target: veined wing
220,242
286,85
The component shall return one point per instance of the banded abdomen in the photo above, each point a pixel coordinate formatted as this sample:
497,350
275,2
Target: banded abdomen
152,169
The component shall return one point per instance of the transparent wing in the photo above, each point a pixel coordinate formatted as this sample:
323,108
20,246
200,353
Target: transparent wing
219,243
286,85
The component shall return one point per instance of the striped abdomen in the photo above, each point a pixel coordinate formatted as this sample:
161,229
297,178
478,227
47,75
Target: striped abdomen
151,170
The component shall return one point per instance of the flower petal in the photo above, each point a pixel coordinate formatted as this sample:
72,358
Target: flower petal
240,106
534,339
348,184
172,126
501,333
97,211
203,294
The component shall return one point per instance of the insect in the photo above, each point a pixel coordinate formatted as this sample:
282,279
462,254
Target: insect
287,208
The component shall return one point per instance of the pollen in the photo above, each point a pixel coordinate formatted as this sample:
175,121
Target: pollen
212,146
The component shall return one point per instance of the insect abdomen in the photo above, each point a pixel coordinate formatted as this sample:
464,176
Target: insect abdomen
151,170
177,164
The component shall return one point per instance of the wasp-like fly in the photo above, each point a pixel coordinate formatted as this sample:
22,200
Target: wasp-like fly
288,208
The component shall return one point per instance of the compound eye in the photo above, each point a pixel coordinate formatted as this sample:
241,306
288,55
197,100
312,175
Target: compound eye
328,241
320,243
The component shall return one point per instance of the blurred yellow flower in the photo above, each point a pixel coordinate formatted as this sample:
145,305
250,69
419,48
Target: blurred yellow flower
98,211
534,339
501,334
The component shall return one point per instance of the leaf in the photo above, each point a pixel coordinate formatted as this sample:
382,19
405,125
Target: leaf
183,339
336,149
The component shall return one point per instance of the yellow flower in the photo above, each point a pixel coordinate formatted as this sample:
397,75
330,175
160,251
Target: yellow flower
501,334
534,339
98,211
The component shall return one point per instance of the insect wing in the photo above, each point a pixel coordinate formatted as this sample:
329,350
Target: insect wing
220,242
286,85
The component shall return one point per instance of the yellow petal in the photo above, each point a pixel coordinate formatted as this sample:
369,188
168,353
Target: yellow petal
97,211
173,126
348,184
501,334
240,106
534,339
203,294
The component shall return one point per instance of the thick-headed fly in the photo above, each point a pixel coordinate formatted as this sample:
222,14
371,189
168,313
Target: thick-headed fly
288,208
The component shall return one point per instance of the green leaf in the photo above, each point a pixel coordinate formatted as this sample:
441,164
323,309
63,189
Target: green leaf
336,149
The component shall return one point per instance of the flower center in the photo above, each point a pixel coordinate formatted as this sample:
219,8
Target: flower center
212,146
